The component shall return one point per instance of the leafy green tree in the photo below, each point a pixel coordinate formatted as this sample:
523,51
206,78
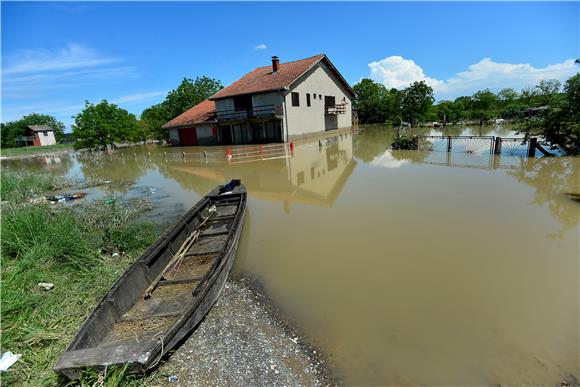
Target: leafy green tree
446,112
483,102
99,126
13,129
416,101
560,123
547,89
188,94
372,102
507,95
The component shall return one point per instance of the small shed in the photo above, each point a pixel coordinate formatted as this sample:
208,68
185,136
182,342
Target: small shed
37,135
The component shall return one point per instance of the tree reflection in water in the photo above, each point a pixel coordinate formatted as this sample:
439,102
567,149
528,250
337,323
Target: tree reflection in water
552,179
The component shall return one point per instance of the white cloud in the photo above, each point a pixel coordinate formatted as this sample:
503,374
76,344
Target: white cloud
73,56
398,72
260,47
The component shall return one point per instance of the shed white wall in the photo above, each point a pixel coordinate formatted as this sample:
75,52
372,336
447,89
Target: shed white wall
311,119
47,139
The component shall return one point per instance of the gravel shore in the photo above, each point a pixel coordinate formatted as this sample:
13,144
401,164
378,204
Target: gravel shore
242,341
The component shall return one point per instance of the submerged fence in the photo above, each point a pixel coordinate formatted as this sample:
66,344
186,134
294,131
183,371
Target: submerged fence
514,146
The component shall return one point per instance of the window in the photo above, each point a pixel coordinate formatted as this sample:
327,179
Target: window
319,96
295,99
307,99
45,134
300,178
314,95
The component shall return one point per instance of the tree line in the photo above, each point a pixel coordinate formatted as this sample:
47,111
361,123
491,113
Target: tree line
100,125
558,120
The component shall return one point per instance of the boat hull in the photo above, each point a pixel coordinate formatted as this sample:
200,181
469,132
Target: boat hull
100,342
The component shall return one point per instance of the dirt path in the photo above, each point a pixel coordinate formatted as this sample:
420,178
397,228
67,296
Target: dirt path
242,342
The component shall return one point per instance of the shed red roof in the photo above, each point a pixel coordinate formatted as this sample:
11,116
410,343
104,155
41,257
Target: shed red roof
262,79
202,112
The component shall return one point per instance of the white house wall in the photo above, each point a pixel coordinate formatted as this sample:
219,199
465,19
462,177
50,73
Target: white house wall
46,138
205,134
311,119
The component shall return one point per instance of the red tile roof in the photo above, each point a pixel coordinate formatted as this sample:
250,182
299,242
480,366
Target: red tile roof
202,112
262,79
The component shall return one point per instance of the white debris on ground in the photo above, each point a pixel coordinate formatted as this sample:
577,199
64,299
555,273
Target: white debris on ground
242,342
46,286
8,359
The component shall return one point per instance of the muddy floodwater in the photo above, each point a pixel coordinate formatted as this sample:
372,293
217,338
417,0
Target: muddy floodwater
416,267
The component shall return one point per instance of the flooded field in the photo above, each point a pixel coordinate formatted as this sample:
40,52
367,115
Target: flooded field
416,267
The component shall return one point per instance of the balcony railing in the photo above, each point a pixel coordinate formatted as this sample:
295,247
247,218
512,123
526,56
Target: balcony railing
335,109
263,111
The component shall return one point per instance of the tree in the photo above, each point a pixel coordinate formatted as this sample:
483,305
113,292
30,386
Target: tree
416,101
99,126
446,111
188,94
547,89
154,118
483,102
559,124
11,130
507,95
371,102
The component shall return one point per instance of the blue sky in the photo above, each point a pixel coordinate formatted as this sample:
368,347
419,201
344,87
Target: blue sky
57,55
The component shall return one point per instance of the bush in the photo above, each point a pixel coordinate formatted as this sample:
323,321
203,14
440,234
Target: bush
404,143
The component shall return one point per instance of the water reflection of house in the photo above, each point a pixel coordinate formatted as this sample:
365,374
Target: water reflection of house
270,104
313,176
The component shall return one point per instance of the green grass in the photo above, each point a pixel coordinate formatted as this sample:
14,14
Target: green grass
32,150
70,247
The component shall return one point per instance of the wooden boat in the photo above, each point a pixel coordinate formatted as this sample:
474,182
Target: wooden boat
128,328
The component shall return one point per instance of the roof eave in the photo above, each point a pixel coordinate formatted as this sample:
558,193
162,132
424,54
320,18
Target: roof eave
188,125
212,98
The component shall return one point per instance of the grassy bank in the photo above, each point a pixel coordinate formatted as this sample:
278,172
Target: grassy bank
34,150
73,248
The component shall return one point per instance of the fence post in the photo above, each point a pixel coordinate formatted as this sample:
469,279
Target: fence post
449,144
261,152
165,155
135,155
497,146
532,147
292,149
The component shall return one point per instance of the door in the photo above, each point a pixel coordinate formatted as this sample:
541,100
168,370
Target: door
225,135
329,101
188,136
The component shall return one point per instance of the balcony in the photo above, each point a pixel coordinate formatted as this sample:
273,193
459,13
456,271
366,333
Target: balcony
335,109
256,112
24,139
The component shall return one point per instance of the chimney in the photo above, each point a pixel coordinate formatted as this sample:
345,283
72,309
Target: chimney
275,64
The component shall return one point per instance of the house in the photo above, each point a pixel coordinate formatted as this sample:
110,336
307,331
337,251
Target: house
36,135
273,103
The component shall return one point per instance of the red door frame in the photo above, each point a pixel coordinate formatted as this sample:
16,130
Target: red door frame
188,136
